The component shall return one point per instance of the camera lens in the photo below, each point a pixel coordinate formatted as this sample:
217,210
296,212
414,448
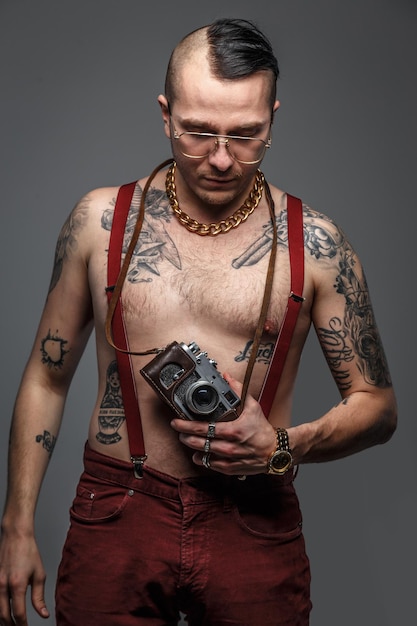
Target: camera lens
202,398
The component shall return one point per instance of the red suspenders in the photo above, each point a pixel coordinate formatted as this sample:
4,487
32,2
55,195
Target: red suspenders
127,381
295,299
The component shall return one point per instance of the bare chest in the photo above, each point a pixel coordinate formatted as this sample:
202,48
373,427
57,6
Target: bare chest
209,282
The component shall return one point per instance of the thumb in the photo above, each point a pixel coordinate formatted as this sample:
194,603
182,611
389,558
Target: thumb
236,385
38,598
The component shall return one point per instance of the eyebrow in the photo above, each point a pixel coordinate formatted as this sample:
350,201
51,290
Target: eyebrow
196,123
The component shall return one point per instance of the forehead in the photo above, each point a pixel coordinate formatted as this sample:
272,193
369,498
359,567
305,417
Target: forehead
200,95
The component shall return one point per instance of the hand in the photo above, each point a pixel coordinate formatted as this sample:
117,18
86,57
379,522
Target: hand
20,566
239,447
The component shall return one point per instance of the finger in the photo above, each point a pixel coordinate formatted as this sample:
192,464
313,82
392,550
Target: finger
196,428
237,467
236,385
201,444
18,596
5,613
38,597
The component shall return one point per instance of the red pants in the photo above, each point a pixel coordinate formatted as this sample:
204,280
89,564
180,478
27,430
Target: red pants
220,550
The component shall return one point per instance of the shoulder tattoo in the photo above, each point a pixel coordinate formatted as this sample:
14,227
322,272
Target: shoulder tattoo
322,238
154,244
67,240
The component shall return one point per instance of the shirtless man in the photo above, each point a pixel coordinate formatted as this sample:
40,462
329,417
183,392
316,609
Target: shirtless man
204,524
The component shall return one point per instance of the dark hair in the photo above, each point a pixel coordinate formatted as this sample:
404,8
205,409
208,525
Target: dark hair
236,49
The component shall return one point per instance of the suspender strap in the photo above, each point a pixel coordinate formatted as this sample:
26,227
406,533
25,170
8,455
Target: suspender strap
127,381
295,299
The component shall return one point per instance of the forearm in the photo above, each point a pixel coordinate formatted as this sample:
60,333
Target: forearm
358,422
35,425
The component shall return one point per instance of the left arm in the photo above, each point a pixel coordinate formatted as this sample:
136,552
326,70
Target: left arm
345,325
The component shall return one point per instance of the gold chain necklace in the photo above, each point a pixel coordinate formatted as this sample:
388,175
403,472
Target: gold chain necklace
213,229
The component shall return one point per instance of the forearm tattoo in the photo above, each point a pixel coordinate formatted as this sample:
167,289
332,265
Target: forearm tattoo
48,441
53,350
68,237
111,414
154,244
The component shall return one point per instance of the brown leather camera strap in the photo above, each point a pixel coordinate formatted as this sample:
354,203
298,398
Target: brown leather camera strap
116,331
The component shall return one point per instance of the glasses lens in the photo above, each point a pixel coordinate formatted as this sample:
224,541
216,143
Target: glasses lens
243,149
195,145
247,150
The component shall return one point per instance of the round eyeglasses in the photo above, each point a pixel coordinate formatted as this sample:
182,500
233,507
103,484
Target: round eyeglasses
246,150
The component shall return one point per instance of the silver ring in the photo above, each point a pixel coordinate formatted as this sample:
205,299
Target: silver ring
206,460
207,445
211,430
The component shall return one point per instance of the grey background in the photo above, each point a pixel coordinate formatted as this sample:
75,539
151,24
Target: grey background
79,82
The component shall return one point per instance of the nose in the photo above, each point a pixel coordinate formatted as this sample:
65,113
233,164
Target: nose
220,156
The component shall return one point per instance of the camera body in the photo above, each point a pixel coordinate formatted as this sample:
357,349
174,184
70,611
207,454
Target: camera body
189,382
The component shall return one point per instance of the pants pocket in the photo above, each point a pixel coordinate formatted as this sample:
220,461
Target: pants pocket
96,501
270,513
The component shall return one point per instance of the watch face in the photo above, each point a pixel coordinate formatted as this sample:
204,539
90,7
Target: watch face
280,462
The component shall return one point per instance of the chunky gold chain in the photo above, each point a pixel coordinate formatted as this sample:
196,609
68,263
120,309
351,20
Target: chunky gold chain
213,229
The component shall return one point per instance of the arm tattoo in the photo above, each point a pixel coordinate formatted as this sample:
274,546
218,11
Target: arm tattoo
357,335
154,244
111,414
67,240
53,350
360,324
336,350
48,441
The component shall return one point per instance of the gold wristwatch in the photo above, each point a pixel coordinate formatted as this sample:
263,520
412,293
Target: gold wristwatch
280,460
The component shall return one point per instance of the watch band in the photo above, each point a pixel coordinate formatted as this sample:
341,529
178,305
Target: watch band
280,461
283,442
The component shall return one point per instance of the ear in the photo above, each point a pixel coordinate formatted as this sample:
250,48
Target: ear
275,108
163,103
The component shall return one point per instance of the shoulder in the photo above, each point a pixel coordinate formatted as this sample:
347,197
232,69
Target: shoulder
323,237
87,222
95,209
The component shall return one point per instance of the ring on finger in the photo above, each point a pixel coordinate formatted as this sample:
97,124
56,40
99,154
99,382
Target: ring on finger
211,430
207,445
206,460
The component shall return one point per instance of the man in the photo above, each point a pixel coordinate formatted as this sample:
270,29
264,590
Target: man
194,515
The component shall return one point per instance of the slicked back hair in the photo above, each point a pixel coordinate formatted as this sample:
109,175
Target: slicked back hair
236,49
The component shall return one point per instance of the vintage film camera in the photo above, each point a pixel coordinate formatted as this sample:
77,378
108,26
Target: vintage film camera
188,381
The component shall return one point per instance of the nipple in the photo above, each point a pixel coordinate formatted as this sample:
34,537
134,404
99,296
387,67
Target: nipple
269,326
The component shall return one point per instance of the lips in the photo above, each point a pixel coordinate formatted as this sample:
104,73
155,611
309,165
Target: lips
218,182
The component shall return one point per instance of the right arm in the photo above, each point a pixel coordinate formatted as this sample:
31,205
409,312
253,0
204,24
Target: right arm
63,332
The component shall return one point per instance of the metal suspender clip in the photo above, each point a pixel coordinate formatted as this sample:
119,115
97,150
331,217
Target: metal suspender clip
295,297
138,463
